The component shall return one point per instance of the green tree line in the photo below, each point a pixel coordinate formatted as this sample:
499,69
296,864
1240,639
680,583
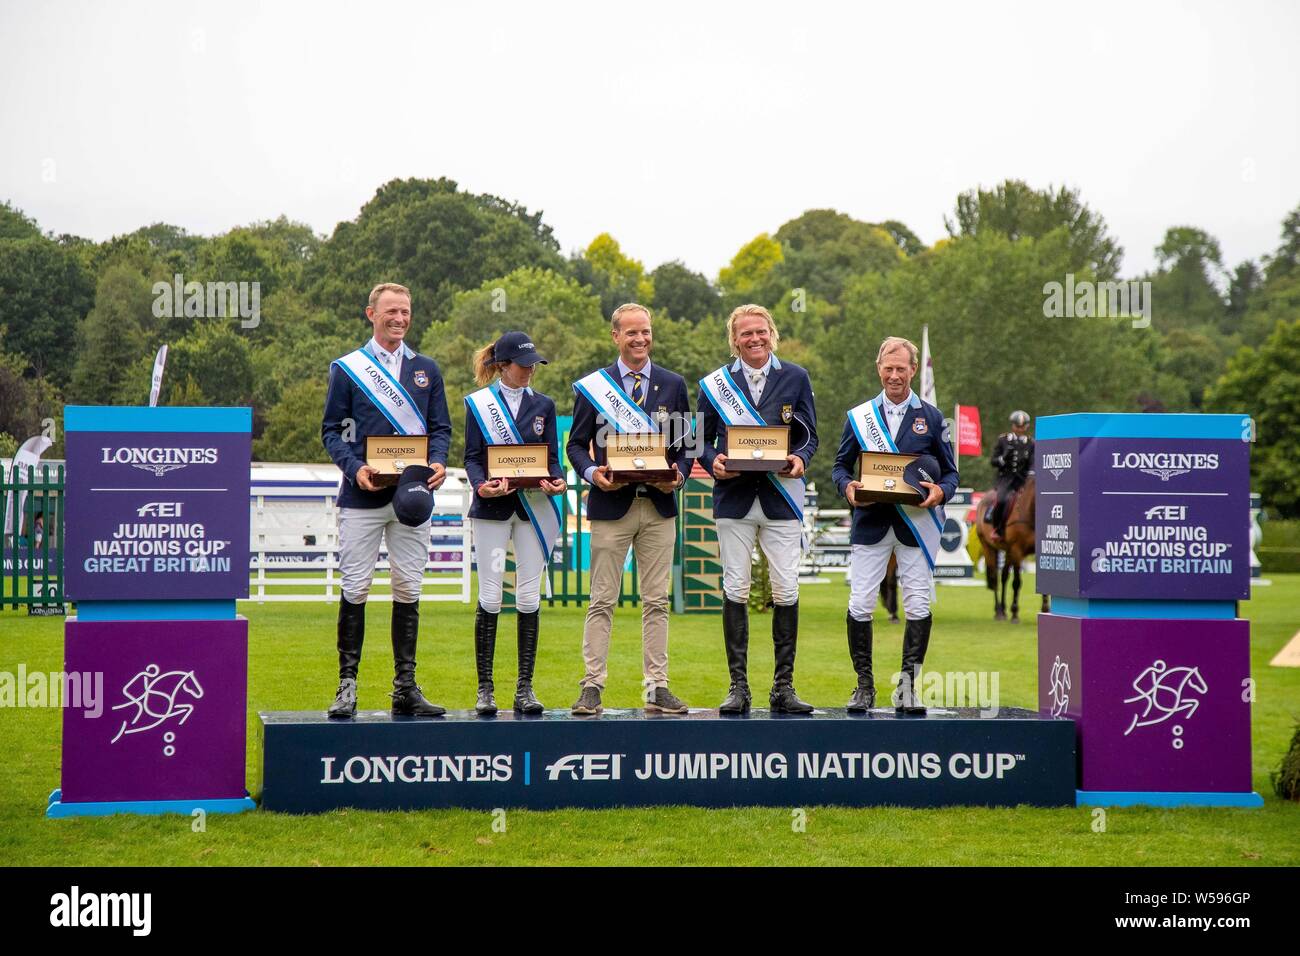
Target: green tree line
80,322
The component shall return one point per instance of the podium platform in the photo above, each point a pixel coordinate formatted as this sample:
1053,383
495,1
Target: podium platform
950,757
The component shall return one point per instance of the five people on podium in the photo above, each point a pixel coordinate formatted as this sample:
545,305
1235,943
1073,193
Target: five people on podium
385,388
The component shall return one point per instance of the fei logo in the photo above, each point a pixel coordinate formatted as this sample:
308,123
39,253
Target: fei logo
153,695
1167,513
1167,691
1060,686
587,767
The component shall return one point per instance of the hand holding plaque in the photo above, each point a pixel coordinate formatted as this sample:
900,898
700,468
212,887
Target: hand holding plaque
521,466
388,456
639,457
881,479
758,447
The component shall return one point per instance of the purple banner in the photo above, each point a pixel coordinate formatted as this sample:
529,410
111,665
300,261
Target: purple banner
1143,518
157,515
1160,705
173,714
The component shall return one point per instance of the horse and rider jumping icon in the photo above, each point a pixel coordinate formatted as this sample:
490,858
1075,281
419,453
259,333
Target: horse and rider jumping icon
1166,691
152,693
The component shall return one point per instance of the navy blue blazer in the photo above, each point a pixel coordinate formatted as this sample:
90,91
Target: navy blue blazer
870,522
666,392
787,400
345,401
536,424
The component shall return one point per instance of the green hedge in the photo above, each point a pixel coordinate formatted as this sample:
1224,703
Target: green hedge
1279,552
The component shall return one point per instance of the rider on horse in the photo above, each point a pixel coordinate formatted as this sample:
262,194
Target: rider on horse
1013,457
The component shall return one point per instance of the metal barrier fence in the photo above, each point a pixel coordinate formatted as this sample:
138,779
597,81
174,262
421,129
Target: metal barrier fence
31,518
294,548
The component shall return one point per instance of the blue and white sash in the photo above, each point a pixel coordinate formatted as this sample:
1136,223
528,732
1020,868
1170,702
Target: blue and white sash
616,405
734,408
385,392
498,428
868,421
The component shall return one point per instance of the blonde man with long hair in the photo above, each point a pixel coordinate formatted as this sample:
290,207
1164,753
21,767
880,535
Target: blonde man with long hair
765,507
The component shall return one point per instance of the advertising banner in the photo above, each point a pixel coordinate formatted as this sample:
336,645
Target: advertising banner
629,758
171,720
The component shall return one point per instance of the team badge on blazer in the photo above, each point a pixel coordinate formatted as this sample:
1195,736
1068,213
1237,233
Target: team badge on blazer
539,424
421,379
919,426
787,413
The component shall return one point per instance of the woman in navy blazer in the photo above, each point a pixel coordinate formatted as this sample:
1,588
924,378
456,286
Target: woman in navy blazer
501,515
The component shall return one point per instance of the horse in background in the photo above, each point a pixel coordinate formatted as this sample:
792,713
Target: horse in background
1017,545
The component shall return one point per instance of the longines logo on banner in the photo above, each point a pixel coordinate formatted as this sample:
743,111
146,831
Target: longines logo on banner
1057,463
1165,465
157,459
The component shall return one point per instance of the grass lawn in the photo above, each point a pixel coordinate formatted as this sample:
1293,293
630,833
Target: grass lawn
292,667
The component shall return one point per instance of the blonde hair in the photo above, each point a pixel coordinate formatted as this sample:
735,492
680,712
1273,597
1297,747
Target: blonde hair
627,307
739,312
894,342
486,368
383,287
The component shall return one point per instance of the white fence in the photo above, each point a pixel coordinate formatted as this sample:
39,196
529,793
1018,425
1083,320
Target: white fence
294,542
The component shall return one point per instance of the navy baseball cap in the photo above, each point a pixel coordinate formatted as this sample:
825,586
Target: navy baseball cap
517,347
924,468
413,501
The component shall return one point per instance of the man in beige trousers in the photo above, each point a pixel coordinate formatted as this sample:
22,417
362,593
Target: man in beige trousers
632,395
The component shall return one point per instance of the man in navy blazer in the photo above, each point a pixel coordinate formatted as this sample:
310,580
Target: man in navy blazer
750,505
880,529
366,510
642,516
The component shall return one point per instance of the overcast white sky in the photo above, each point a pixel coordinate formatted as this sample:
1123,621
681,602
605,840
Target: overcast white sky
684,129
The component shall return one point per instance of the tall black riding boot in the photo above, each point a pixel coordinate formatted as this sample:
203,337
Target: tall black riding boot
407,699
352,632
916,638
735,635
785,633
527,625
485,646
864,697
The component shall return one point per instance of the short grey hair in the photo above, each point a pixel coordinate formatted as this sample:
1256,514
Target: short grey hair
895,341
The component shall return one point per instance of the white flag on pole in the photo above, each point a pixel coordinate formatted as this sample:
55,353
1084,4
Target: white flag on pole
159,361
928,393
23,467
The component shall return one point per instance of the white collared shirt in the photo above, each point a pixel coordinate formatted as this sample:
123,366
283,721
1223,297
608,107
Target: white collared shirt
894,413
514,396
757,377
391,360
